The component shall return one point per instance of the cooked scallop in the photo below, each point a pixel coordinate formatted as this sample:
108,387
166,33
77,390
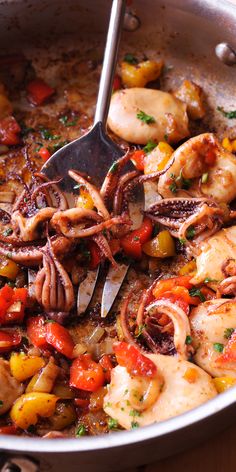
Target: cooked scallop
168,116
209,322
184,386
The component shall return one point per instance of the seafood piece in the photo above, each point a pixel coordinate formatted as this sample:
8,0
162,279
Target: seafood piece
10,388
213,253
28,228
210,322
201,167
184,387
169,117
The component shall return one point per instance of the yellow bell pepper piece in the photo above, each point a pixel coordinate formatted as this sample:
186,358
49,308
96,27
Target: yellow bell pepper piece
31,384
23,366
161,246
138,75
229,145
29,407
157,159
8,268
223,383
191,94
189,268
85,200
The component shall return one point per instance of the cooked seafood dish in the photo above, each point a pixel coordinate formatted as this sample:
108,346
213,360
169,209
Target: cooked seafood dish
169,342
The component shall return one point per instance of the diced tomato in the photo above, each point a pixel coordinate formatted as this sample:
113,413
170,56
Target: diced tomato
167,285
86,374
138,159
36,330
210,157
9,429
107,366
38,91
60,338
81,402
95,255
8,340
132,242
176,299
135,362
44,153
208,293
9,131
229,354
117,83
16,310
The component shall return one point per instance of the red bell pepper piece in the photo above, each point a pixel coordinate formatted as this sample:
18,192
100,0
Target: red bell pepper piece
8,340
36,330
117,83
132,242
95,255
44,153
135,362
9,131
60,338
167,285
86,374
138,159
9,429
38,91
17,316
107,366
210,157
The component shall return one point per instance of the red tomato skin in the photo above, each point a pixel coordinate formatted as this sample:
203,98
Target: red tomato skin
10,339
59,338
138,159
9,131
132,242
107,367
135,362
36,330
38,91
86,374
44,153
8,429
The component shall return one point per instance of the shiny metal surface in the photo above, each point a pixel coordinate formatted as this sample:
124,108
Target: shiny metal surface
185,33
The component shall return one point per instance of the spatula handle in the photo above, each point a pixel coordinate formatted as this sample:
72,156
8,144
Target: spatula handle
109,61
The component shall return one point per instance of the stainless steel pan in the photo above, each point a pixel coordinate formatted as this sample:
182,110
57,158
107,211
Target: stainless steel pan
184,33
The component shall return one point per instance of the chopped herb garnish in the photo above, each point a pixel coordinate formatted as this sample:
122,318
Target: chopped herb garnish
149,147
228,332
182,241
55,147
7,232
46,134
186,183
141,115
208,279
228,114
190,232
140,330
113,168
134,413
195,292
25,129
1,403
134,424
136,238
188,339
126,391
49,321
173,187
65,121
166,137
112,423
81,431
218,347
108,405
130,58
204,178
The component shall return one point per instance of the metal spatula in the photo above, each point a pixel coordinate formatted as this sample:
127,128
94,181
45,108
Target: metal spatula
95,152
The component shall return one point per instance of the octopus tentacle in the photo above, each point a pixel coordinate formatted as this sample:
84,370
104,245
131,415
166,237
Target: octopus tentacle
93,191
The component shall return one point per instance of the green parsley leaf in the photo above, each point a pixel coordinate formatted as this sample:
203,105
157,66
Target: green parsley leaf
136,238
204,178
81,431
218,347
208,279
228,332
55,147
7,232
126,391
141,115
140,330
228,114
134,413
112,423
195,292
188,339
173,187
46,134
190,232
113,168
149,147
134,424
64,120
182,241
130,58
49,321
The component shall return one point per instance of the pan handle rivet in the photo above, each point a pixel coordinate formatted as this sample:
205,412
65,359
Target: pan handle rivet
226,54
131,21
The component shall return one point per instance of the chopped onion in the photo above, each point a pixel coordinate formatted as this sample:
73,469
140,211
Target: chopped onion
34,351
15,307
63,391
108,346
47,377
7,197
96,335
79,349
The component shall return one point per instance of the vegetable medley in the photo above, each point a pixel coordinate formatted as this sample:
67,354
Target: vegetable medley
169,342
